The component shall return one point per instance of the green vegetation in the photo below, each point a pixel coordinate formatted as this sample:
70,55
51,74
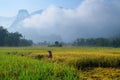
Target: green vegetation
21,68
12,39
68,63
103,42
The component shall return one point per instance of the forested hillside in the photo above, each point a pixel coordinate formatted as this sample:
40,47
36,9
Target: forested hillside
12,38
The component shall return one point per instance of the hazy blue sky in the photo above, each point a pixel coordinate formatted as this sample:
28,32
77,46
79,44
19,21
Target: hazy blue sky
10,7
91,18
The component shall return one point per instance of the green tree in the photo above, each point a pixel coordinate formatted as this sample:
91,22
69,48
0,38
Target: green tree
13,39
116,42
102,42
24,42
3,34
90,42
79,42
56,43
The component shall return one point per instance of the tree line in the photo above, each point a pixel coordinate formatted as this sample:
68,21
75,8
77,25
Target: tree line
103,42
12,38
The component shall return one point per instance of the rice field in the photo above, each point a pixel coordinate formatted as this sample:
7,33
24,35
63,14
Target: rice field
68,63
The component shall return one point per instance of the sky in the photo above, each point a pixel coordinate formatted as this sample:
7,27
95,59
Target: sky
11,7
76,18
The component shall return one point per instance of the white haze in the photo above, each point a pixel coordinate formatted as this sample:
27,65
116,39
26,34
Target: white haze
92,18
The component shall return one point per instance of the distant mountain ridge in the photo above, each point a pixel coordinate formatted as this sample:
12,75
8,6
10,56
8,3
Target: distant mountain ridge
22,14
15,25
11,22
36,12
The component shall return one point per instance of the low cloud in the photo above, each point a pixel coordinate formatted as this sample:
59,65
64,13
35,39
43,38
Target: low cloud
92,18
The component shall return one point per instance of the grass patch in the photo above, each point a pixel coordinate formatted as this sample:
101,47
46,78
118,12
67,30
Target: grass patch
22,68
68,63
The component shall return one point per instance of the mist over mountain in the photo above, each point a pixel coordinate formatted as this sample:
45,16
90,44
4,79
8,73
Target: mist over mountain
36,12
92,18
6,21
22,14
28,32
